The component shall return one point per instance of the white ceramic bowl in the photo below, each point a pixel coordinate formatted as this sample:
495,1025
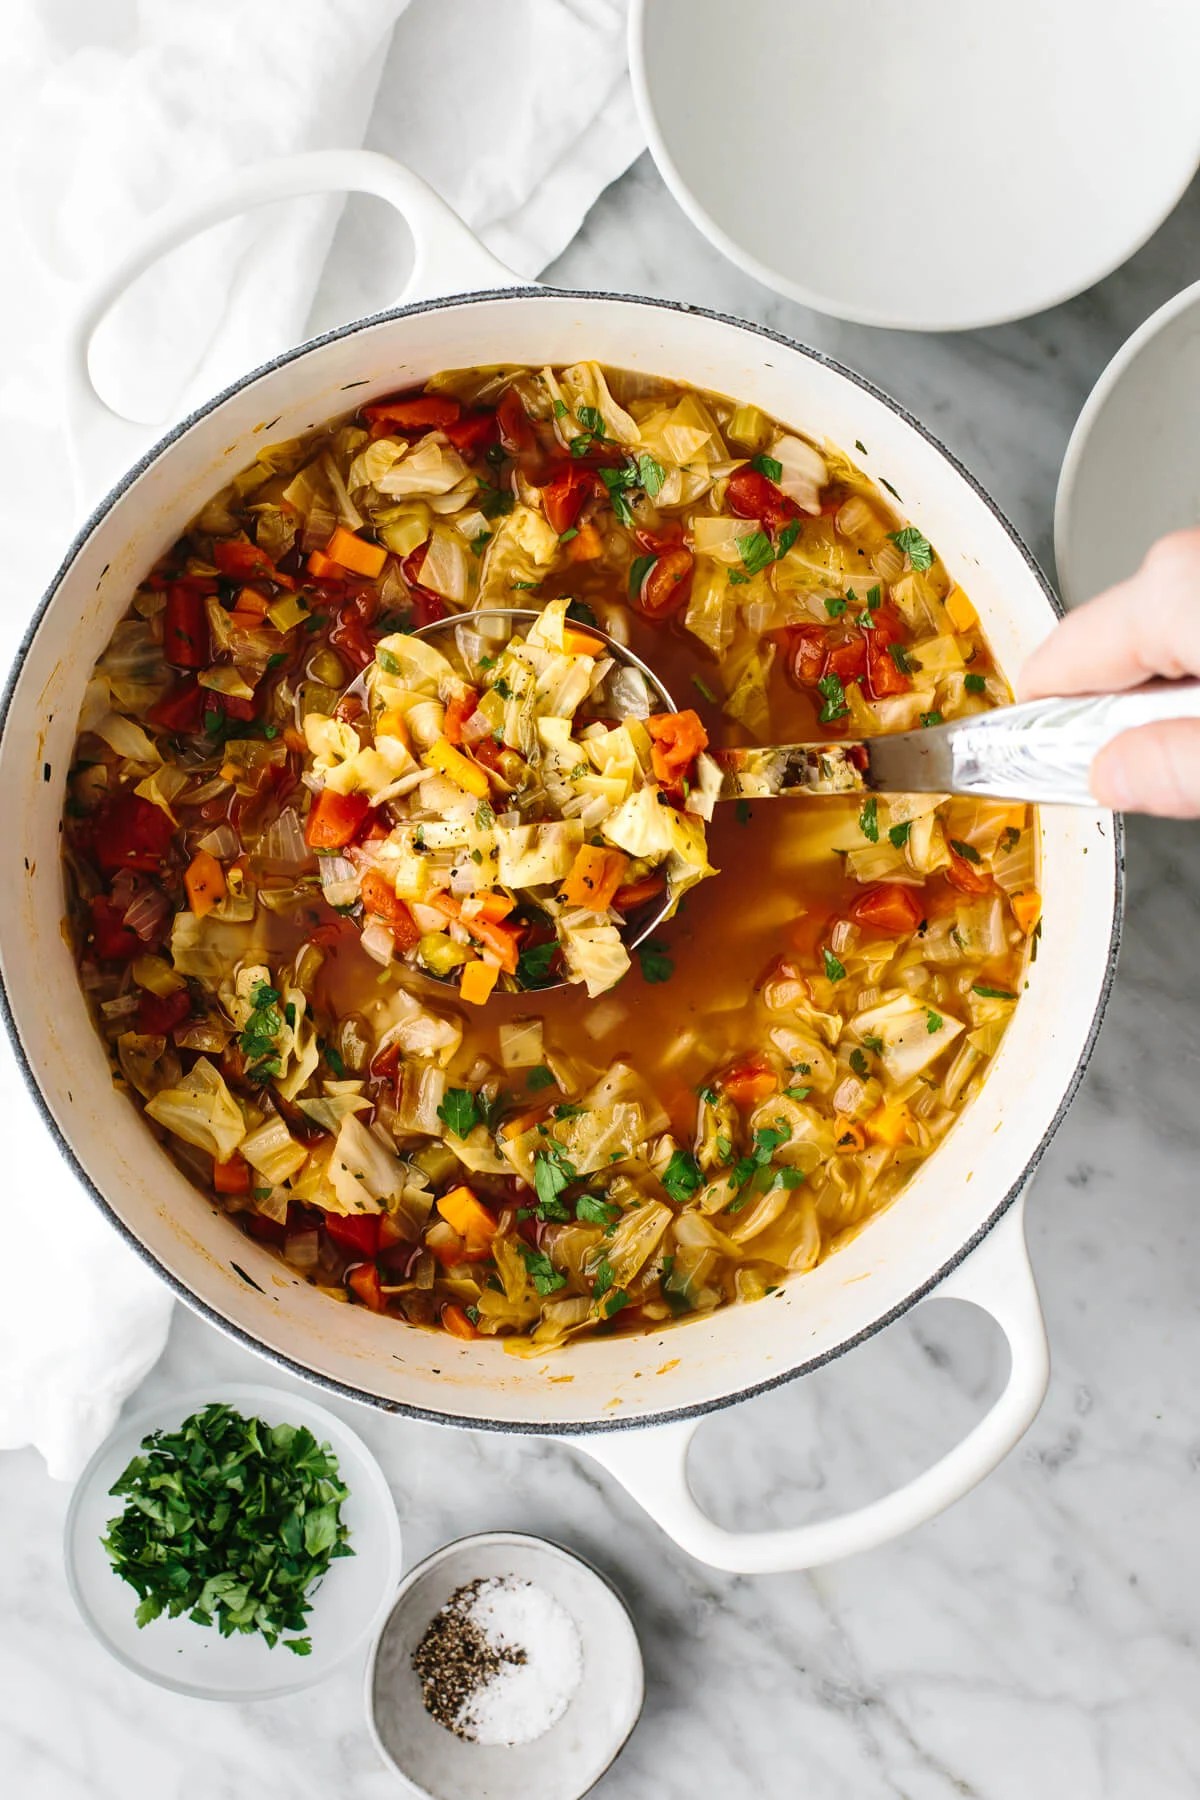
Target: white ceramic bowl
1132,468
574,1753
922,163
194,1659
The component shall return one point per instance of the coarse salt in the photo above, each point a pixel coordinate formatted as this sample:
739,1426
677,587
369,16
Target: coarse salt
527,1663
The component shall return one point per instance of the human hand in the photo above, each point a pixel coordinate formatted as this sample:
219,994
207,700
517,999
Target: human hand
1144,627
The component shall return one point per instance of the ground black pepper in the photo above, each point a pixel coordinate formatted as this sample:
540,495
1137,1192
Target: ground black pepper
454,1659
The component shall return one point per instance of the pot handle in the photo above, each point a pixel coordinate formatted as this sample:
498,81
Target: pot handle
651,1464
448,259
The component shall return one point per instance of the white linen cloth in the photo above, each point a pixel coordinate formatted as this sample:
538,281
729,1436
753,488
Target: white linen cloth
518,112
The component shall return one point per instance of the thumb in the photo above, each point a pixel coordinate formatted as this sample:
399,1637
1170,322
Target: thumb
1155,769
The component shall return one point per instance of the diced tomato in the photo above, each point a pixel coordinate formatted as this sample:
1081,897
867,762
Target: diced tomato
357,1232
182,709
966,877
806,651
458,711
239,560
268,1231
848,660
334,819
808,930
638,893
563,498
352,638
888,907
159,1014
885,674
185,628
666,584
419,412
386,1062
667,535
112,939
475,431
749,1081
514,424
380,898
750,495
678,739
428,606
233,1176
233,706
364,1280
132,833
455,1321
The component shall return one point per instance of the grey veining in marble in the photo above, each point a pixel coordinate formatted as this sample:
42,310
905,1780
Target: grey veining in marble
1038,1642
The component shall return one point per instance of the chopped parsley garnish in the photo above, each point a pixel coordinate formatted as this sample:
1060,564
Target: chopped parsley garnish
835,970
494,502
898,834
756,551
551,1174
651,475
617,481
724,1148
797,1093
501,687
539,1078
591,419
874,1044
334,1058
560,409
564,537
968,852
933,1022
975,684
258,1035
755,1167
590,1209
639,568
541,1271
709,1096
915,545
930,719
991,993
602,1280
580,613
681,1177
903,661
834,696
569,1111
230,1521
614,1302
835,606
459,1112
656,966
1010,837
768,466
859,1064
480,542
702,688
485,818
874,598
868,820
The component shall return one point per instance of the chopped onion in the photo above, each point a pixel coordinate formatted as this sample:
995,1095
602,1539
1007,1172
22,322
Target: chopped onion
629,694
222,842
283,841
339,880
378,941
598,1021
146,912
522,1044
208,790
302,1249
272,1151
121,1006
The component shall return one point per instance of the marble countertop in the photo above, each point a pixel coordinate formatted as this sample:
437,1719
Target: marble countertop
1039,1641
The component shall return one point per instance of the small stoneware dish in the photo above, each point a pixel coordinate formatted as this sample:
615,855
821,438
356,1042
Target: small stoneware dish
1132,468
569,1758
195,1659
920,163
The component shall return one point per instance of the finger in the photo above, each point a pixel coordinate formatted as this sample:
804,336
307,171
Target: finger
1146,626
1155,769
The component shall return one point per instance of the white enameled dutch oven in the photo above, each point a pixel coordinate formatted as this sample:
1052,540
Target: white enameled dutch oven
632,1403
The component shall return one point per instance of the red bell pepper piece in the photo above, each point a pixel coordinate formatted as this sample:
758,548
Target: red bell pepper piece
666,584
563,498
458,711
182,710
185,628
352,638
514,424
965,878
113,940
848,660
159,1014
419,412
232,1177
381,899
334,819
475,431
131,833
806,651
356,1232
239,560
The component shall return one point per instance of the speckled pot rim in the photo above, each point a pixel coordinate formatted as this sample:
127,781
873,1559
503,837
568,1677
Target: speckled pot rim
544,1427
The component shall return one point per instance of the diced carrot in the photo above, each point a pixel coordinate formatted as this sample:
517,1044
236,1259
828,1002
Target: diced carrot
889,1124
463,1209
459,769
750,1081
961,613
504,941
890,907
808,929
1026,908
204,880
522,1122
595,876
848,1136
678,739
585,546
417,412
490,905
249,600
324,567
352,552
244,621
581,643
639,892
456,1322
392,723
295,740
231,1176
380,898
965,876
477,982
366,1284
334,819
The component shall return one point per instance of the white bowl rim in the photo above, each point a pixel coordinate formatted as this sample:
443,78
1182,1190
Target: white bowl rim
446,1553
1077,444
535,1427
825,303
249,1393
